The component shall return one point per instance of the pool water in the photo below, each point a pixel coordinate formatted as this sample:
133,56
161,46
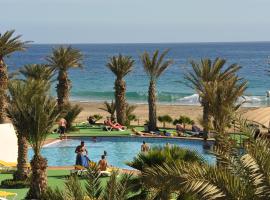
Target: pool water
119,149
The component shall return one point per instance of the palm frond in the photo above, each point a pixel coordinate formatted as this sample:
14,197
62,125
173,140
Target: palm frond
120,65
156,65
10,44
109,107
63,58
37,72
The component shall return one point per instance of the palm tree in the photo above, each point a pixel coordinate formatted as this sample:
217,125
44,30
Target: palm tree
62,59
17,119
8,45
37,72
222,97
159,156
117,187
110,108
240,177
37,112
120,67
130,114
154,67
207,71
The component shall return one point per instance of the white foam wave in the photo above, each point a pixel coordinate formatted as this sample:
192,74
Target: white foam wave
191,99
250,101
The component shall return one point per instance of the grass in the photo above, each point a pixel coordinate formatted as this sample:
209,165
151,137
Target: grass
94,131
56,178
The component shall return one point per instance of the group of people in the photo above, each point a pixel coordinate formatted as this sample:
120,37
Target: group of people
83,160
195,130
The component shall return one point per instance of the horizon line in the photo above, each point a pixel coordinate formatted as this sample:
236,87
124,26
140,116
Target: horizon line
104,43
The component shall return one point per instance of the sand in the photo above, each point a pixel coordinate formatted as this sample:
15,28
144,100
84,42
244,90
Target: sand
194,112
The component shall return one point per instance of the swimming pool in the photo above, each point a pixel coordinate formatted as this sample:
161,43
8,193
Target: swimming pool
119,149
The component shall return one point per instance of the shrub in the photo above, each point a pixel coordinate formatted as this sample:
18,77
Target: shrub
70,113
165,119
183,120
10,183
129,114
160,155
97,117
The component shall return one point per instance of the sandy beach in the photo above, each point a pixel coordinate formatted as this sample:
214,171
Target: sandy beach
192,111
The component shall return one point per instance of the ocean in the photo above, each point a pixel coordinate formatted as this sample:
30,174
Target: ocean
95,81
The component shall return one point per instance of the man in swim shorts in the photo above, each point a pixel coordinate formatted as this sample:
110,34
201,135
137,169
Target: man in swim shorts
81,158
62,128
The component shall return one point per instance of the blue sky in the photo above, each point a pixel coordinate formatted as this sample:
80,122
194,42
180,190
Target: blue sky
133,21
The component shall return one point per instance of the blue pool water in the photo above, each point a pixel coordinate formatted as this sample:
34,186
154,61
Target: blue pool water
119,149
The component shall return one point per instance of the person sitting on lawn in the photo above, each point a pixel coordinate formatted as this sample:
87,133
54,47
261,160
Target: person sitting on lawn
102,164
91,120
195,128
180,129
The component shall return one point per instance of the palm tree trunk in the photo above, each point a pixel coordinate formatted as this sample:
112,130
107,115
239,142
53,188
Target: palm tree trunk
3,89
152,106
206,116
120,101
63,88
21,173
39,180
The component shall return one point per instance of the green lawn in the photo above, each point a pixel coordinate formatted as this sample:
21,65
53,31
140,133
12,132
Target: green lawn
56,178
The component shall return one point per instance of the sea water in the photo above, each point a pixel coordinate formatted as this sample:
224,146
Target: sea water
95,81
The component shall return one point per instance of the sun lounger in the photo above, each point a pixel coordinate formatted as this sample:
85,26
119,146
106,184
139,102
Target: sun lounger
10,165
78,170
4,195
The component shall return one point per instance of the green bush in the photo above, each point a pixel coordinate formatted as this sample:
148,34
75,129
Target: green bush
183,120
97,117
165,119
10,183
160,155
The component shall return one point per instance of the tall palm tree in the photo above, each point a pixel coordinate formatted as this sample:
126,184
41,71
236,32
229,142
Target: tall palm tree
8,45
120,67
154,67
38,72
207,71
62,59
37,112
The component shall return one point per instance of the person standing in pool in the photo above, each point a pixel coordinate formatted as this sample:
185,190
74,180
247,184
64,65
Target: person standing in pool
145,147
82,155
